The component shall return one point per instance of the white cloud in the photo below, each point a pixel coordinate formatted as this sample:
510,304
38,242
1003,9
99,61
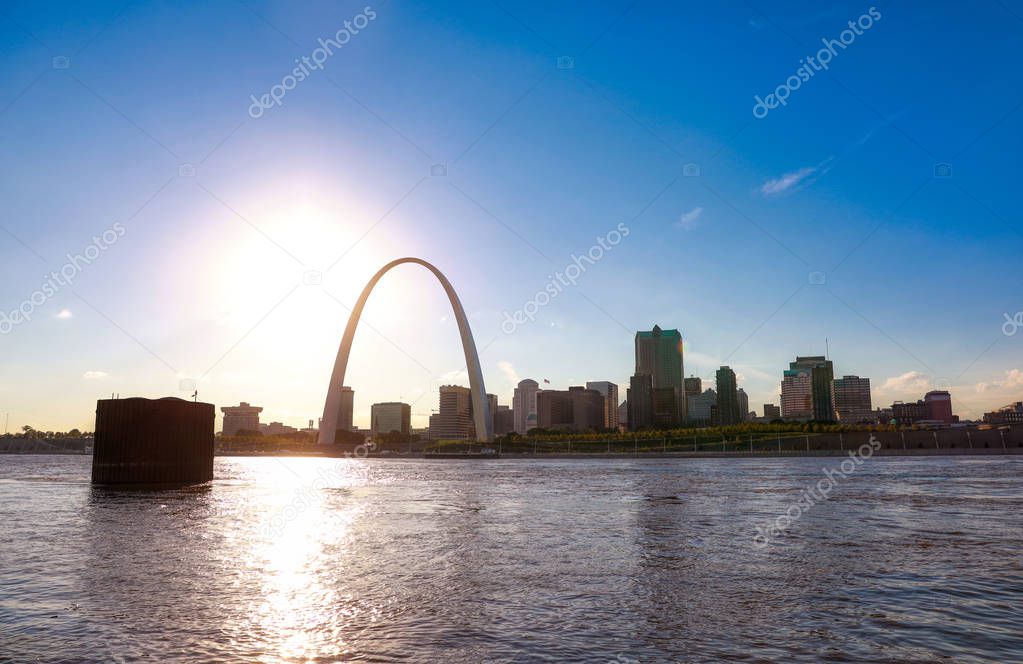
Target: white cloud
911,381
64,314
787,181
509,372
688,220
94,375
1013,379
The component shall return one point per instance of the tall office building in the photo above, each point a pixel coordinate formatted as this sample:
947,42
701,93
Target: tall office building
744,413
390,416
492,405
345,409
659,356
574,409
609,391
771,412
728,397
811,376
524,405
639,398
453,421
242,417
851,396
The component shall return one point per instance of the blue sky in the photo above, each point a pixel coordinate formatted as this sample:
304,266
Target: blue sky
207,281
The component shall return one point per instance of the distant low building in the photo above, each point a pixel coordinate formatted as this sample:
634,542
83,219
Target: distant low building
702,408
1011,414
276,429
575,409
390,416
771,412
242,417
504,421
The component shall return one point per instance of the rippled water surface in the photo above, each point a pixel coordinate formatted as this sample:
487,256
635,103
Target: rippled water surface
323,560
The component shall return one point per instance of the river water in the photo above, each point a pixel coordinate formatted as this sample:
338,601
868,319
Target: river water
324,560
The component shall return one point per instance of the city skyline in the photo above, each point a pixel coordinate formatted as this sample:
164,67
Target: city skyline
221,251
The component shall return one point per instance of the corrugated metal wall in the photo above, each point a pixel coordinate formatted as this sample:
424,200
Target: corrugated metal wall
153,441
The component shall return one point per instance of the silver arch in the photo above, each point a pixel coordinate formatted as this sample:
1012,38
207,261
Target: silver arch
480,405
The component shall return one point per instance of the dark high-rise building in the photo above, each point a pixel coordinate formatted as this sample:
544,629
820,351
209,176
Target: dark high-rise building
658,356
771,411
693,386
728,397
640,397
575,409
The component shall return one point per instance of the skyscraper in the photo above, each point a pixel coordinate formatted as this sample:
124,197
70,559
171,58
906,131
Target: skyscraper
819,373
728,397
771,412
693,386
524,405
609,391
851,396
743,405
659,356
345,409
639,397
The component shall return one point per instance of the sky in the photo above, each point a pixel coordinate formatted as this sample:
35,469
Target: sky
213,219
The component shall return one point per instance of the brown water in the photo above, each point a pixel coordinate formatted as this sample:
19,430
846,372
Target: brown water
318,560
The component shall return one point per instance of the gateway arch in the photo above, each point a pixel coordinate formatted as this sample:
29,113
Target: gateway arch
480,405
